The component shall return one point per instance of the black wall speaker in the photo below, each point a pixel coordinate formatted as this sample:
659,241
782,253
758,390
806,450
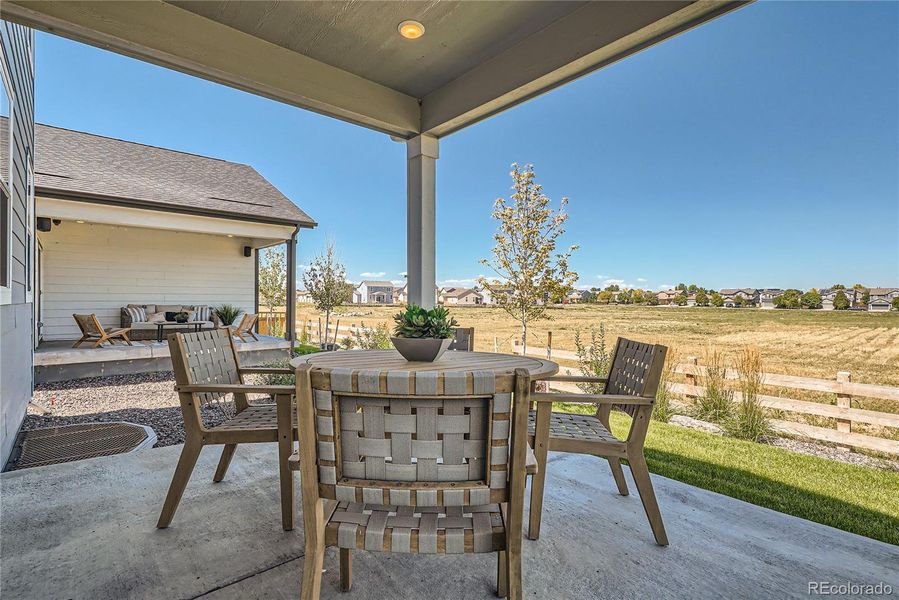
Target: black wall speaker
43,224
247,251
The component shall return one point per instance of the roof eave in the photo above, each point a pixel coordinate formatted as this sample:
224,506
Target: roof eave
162,207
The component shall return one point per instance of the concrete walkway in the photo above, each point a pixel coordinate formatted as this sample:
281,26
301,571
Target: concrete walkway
86,530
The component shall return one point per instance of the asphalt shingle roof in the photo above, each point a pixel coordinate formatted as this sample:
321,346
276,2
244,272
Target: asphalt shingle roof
75,163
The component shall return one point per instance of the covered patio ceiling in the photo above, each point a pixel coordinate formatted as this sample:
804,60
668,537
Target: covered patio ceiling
347,60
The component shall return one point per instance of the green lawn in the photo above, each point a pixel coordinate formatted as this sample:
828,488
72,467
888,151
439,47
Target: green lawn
857,499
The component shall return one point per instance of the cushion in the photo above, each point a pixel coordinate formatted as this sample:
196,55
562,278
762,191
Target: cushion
202,313
156,317
137,314
163,308
192,315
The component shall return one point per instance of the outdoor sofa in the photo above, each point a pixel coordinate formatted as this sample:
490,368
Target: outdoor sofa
142,319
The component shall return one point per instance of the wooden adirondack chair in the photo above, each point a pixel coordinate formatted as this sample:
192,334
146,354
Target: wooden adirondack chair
92,330
630,387
207,370
245,327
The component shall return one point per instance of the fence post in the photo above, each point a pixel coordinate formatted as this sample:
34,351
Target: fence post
844,401
495,344
549,345
691,376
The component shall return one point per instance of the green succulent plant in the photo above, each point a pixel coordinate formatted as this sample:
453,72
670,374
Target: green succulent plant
417,322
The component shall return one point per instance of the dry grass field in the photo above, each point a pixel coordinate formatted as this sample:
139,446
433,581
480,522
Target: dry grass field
806,343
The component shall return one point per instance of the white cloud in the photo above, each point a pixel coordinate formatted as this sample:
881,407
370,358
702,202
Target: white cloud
375,274
618,282
466,281
601,276
398,282
641,279
665,286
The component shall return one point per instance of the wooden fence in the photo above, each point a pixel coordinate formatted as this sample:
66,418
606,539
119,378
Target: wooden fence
842,412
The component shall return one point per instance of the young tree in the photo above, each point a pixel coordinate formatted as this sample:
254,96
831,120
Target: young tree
840,301
682,287
702,299
693,288
525,254
325,280
717,300
895,303
838,286
272,282
612,288
604,297
866,297
639,297
680,299
739,301
652,298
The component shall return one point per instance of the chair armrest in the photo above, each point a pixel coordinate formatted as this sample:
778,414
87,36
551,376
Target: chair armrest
592,399
222,388
268,370
575,378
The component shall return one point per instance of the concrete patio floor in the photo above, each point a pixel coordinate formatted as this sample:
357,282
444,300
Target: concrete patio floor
86,530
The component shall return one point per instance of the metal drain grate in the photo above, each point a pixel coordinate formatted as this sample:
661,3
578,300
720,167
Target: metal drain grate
54,445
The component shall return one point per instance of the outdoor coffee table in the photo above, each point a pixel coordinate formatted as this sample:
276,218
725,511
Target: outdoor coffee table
197,326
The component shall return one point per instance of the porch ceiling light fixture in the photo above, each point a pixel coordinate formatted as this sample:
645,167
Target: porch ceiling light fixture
79,221
411,30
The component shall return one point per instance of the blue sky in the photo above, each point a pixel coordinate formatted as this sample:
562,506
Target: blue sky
761,149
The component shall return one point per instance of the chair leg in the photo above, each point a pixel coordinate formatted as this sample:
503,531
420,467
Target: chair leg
189,455
100,341
346,569
81,341
312,569
285,450
618,475
513,574
644,485
127,339
538,480
501,574
224,462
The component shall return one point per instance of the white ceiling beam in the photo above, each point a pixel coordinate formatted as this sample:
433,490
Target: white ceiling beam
169,36
583,41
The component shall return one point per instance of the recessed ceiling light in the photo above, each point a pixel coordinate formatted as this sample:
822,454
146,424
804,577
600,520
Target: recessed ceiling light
411,30
79,221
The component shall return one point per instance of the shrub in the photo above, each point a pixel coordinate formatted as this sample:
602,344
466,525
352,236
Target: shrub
895,303
371,338
277,378
749,422
716,300
594,359
702,299
305,349
716,402
662,410
840,301
810,299
227,313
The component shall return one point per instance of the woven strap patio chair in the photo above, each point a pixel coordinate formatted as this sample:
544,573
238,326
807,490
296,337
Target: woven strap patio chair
630,387
438,471
207,372
92,330
245,327
463,339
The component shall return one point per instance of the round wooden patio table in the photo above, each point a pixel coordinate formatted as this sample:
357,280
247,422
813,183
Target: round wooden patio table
387,361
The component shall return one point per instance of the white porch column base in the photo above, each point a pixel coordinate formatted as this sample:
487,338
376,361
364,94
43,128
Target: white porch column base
421,263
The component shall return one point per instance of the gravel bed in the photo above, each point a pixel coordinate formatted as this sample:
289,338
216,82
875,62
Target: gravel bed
146,399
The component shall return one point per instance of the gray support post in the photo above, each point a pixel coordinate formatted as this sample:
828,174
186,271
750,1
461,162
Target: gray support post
421,160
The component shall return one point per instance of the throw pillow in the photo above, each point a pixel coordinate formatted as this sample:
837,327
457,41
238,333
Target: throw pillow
137,314
201,313
156,317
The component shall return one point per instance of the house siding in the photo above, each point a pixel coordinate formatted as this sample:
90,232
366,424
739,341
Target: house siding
92,268
17,317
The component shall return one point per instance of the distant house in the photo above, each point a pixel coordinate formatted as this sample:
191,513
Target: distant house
577,296
828,295
304,297
767,296
667,296
490,292
401,295
750,296
887,294
374,292
879,305
461,296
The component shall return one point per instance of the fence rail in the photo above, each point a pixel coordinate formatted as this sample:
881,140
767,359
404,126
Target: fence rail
842,411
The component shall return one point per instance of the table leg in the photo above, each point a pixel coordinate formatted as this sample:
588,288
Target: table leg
285,449
541,447
159,333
